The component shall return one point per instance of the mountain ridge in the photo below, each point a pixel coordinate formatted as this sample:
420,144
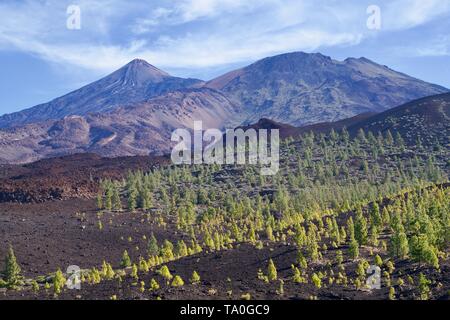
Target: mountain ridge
133,110
135,82
300,89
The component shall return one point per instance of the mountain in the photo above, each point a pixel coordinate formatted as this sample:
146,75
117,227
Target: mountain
135,82
139,129
134,110
427,118
300,88
287,130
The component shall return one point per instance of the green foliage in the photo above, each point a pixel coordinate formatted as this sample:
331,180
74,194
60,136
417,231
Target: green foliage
126,261
360,227
317,281
195,278
12,270
177,282
353,249
424,287
272,271
152,247
59,281
165,273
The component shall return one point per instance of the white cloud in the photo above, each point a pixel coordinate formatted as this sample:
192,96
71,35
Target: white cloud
196,33
437,47
405,14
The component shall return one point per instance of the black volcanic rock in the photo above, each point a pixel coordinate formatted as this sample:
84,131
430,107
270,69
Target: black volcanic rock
135,82
300,88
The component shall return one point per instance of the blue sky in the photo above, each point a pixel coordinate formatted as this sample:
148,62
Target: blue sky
40,58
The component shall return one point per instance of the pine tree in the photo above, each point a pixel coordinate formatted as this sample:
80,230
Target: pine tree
317,281
58,282
165,273
195,278
351,228
126,261
360,227
399,142
389,138
134,271
353,249
399,241
177,282
361,136
181,249
117,203
12,269
108,198
154,285
100,201
375,215
271,271
424,288
423,252
132,199
391,293
152,247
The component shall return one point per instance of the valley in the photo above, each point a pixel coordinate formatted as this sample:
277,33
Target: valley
359,210
338,205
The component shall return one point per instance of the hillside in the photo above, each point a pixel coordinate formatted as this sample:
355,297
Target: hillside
134,110
427,119
300,88
140,129
135,82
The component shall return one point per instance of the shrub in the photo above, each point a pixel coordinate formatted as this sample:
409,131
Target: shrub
317,281
58,282
177,282
126,261
195,278
165,273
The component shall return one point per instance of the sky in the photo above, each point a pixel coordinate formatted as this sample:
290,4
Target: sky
51,47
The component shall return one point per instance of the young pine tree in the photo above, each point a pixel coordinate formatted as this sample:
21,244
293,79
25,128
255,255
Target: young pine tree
59,282
399,242
12,269
360,227
272,271
126,261
152,247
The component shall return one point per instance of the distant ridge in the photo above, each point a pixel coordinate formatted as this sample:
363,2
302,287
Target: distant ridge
300,88
427,118
135,82
134,110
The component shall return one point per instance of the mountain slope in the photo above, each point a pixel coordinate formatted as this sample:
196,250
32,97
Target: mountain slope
300,88
135,82
427,118
140,129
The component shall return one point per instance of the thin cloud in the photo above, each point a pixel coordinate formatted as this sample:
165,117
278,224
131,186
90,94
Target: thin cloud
195,33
